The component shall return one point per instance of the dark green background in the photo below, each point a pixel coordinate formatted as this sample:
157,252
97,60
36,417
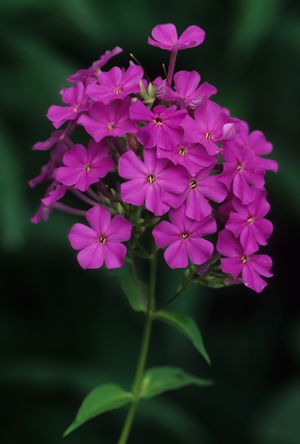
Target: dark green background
63,330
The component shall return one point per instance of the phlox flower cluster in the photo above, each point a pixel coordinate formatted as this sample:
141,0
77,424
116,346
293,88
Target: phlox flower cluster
159,157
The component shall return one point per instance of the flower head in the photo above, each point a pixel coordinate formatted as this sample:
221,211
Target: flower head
184,238
187,92
151,181
108,120
83,167
165,37
236,262
163,125
76,102
115,84
249,224
101,242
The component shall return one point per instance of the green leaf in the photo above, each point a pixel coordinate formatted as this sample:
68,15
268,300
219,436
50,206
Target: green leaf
161,379
187,326
135,293
102,399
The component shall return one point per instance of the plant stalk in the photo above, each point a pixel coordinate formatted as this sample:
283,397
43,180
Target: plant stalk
140,369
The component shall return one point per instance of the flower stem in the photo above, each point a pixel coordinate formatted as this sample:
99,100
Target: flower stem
139,374
171,67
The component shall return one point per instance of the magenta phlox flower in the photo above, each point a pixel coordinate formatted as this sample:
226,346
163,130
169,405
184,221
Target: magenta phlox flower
48,169
187,92
241,172
163,125
102,241
54,139
184,238
108,120
116,84
95,69
236,262
193,156
211,124
83,167
151,181
76,102
249,224
199,188
256,141
165,37
54,192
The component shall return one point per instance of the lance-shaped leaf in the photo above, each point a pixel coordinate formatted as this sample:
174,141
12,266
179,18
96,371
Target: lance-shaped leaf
100,400
162,379
186,325
135,293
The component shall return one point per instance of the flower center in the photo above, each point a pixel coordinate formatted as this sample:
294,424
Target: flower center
151,179
239,167
208,136
110,126
244,259
184,235
192,184
102,239
118,90
182,151
158,121
87,168
250,220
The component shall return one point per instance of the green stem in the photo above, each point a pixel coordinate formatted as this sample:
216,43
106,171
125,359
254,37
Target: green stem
139,374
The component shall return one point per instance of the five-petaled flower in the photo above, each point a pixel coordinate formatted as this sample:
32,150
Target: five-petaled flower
83,167
108,120
184,238
151,181
165,37
116,84
236,262
102,241
163,125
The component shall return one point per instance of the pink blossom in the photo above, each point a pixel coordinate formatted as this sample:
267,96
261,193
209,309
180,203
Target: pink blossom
76,101
241,172
211,124
163,126
54,192
248,223
237,262
165,37
187,92
193,156
108,120
48,169
257,143
151,181
54,139
116,84
199,188
102,241
95,69
184,239
83,167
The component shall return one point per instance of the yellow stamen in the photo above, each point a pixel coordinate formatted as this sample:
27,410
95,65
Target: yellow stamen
182,151
244,259
102,239
158,121
208,136
151,179
184,236
87,168
192,184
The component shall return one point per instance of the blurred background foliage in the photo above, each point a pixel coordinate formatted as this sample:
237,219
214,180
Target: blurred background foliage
64,331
